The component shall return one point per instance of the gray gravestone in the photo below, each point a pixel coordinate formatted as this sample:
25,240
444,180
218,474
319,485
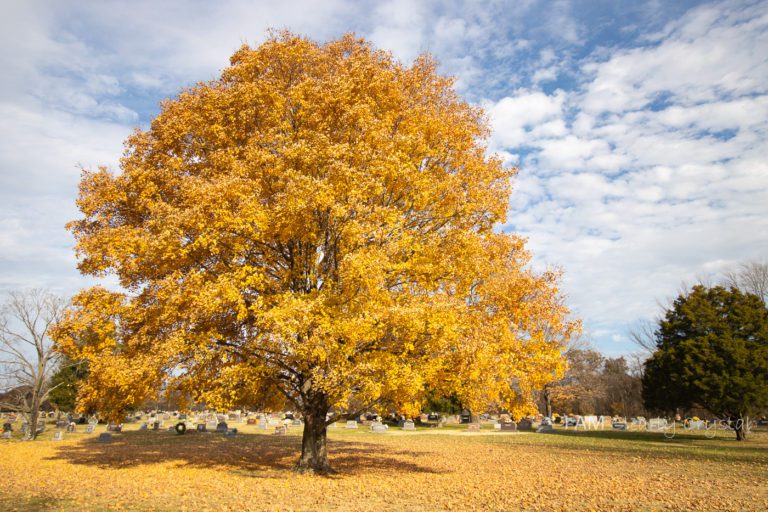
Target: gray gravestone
58,436
510,426
525,425
378,428
351,424
201,427
106,437
90,429
222,426
7,434
281,430
409,425
231,432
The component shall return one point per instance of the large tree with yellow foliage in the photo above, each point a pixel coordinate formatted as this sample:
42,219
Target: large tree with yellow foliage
317,225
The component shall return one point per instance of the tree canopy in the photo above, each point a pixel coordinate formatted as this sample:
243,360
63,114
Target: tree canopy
712,351
317,226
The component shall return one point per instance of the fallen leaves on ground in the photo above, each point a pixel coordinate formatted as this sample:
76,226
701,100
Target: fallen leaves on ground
393,471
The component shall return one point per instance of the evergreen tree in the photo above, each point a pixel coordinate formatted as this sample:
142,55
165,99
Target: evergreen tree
712,351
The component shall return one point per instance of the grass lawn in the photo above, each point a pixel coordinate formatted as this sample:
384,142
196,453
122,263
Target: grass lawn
430,469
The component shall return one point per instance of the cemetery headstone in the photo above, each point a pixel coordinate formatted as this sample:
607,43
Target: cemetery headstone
201,427
61,423
378,428
90,429
525,425
263,425
144,426
296,423
58,436
409,425
473,427
251,421
112,427
222,426
231,432
71,427
281,430
7,427
7,434
351,424
105,437
509,426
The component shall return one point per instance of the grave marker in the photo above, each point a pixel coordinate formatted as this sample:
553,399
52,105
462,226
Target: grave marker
58,436
525,425
90,429
281,430
351,424
473,427
106,437
409,425
510,426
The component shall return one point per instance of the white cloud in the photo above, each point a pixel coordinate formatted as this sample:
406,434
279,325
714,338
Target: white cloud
514,117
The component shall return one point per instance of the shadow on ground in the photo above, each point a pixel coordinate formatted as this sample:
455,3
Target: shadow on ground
245,453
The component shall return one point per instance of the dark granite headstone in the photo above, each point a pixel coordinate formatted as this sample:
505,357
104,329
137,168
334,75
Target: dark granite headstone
106,437
222,426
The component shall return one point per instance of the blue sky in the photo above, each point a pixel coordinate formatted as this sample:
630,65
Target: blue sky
640,128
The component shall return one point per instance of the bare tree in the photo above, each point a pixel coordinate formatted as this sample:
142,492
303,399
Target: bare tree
750,277
644,336
27,358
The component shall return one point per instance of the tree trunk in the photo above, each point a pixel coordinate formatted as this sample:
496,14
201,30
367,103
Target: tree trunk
740,428
548,403
314,451
34,416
